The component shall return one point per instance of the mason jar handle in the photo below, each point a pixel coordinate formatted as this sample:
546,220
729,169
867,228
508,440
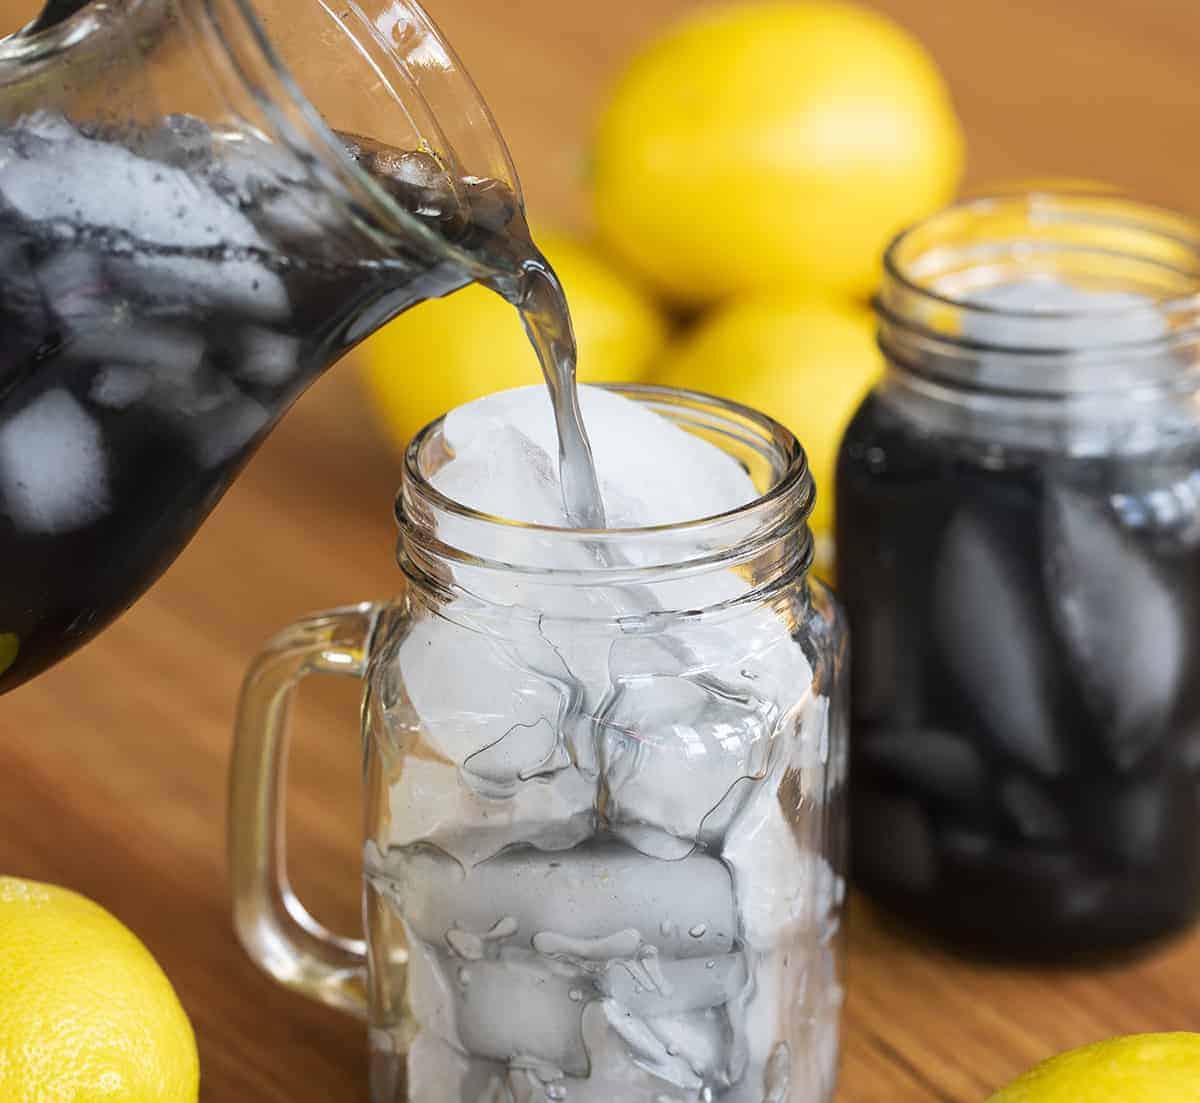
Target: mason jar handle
278,932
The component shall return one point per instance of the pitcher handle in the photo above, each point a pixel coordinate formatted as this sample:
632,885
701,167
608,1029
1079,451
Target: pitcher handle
278,932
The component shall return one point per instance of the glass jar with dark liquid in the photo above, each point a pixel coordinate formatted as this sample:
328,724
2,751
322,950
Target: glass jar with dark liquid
1018,542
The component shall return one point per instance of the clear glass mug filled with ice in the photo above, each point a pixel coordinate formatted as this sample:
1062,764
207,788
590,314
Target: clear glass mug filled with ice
604,770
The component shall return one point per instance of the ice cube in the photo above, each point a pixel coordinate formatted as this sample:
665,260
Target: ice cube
181,141
782,885
117,388
504,474
696,702
100,185
431,988
283,196
520,1010
651,471
502,718
628,1061
1044,312
481,707
673,748
430,802
700,1039
77,286
1033,811
1119,622
990,625
53,466
592,893
933,763
98,334
25,322
762,1023
693,984
415,179
267,357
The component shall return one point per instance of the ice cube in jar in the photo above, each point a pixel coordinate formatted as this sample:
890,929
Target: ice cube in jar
1019,552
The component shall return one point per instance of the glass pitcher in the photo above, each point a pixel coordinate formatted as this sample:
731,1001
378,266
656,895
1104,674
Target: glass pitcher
603,853
192,228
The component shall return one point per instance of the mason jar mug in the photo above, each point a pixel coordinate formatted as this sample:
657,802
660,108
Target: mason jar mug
604,779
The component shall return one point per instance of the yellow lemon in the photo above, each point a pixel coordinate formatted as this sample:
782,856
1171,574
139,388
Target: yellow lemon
86,1014
450,351
806,363
767,143
1142,1068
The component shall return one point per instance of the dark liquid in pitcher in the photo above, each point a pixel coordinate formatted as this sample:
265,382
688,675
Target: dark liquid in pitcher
137,377
1026,727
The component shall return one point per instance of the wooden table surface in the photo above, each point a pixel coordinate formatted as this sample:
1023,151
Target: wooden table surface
112,768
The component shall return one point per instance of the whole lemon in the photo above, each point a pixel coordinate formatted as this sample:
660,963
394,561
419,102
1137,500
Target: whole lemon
806,363
85,1012
449,351
768,143
1142,1068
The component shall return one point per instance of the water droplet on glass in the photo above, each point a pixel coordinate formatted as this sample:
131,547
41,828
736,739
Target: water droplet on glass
698,931
576,995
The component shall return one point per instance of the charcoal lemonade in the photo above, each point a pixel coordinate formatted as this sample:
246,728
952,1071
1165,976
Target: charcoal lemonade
1039,795
138,377
1018,541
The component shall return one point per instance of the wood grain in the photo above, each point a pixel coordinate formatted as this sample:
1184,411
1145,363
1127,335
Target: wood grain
112,768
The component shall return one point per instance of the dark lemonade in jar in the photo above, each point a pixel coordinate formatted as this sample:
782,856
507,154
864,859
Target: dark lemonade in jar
1019,552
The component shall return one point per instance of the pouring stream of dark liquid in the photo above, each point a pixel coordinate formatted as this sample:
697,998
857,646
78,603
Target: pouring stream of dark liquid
521,275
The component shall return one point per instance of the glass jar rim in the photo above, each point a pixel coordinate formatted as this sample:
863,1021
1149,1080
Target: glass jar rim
1122,323
740,533
1111,213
